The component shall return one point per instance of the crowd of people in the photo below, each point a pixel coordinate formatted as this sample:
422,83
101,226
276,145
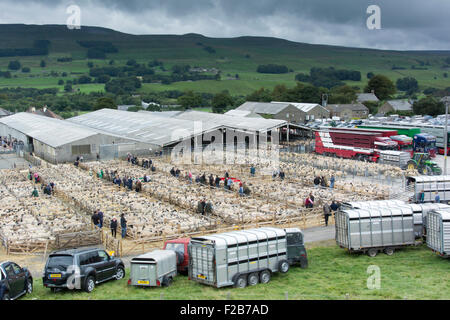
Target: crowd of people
323,182
97,220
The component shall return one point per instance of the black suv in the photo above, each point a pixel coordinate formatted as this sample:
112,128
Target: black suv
14,281
81,269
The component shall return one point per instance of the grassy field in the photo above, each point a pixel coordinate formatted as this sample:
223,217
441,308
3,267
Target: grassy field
233,56
413,273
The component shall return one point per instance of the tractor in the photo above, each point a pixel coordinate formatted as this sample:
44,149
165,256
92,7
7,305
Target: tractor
423,164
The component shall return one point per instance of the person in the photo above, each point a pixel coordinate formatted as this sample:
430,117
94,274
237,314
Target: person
48,190
332,179
252,171
203,206
177,173
113,227
138,186
311,197
422,196
100,218
323,182
153,168
281,174
326,212
241,190
35,193
217,181
123,225
437,199
172,171
317,181
98,157
130,183
211,180
334,206
81,158
308,203
226,174
95,219
230,183
190,177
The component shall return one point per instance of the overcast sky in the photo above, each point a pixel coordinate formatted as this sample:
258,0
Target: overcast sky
405,24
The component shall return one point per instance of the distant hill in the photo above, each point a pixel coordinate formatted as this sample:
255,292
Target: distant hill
240,55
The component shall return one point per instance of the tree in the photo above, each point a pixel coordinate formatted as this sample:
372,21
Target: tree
68,87
43,64
105,102
14,65
94,53
261,95
190,100
60,82
26,70
221,101
90,64
280,93
370,75
429,106
408,84
382,86
343,94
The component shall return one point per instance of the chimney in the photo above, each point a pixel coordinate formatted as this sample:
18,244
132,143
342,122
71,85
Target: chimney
373,91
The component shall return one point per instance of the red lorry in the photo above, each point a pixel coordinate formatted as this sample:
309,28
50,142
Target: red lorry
353,144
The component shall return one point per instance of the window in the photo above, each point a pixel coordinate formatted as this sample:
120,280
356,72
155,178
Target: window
10,271
293,238
16,268
175,247
102,256
82,149
84,259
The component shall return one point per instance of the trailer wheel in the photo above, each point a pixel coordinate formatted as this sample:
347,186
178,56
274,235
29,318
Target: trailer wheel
389,251
169,281
372,252
283,266
264,276
241,281
253,279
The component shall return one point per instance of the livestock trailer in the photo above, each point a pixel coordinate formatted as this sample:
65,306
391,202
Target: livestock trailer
429,185
244,257
395,158
438,232
419,210
373,230
153,269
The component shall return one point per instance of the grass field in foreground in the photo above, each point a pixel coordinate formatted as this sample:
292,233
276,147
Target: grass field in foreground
412,273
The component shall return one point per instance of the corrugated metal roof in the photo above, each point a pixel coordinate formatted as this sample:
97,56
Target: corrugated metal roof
242,113
305,107
143,126
50,131
168,114
4,112
263,107
242,123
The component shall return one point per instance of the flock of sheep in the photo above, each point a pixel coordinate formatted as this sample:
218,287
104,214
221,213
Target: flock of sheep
167,204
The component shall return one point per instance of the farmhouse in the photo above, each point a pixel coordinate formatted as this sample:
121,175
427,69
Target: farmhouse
395,105
46,112
348,111
310,111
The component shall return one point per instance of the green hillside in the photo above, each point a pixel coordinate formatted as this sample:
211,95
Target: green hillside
232,56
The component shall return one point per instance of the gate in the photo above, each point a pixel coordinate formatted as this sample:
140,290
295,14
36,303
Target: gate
109,151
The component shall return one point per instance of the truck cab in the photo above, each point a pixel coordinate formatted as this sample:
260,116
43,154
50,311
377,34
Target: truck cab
296,252
425,143
385,143
180,246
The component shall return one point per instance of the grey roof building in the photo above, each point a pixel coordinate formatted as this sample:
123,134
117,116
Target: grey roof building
270,110
348,111
55,140
395,105
367,97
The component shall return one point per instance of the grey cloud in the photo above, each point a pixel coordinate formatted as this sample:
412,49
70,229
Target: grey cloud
407,24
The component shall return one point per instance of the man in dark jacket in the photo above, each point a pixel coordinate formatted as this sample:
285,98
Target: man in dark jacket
96,219
113,227
100,218
217,181
123,225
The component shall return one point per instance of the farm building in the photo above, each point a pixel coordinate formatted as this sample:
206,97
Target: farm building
242,113
394,106
348,111
4,113
55,140
46,112
367,97
280,111
310,111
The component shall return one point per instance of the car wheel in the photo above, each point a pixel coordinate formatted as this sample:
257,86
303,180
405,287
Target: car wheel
90,284
6,296
389,251
29,286
120,273
53,290
372,252
283,266
264,276
241,282
253,279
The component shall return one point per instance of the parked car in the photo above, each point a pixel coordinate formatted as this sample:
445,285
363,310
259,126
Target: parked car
81,269
14,281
